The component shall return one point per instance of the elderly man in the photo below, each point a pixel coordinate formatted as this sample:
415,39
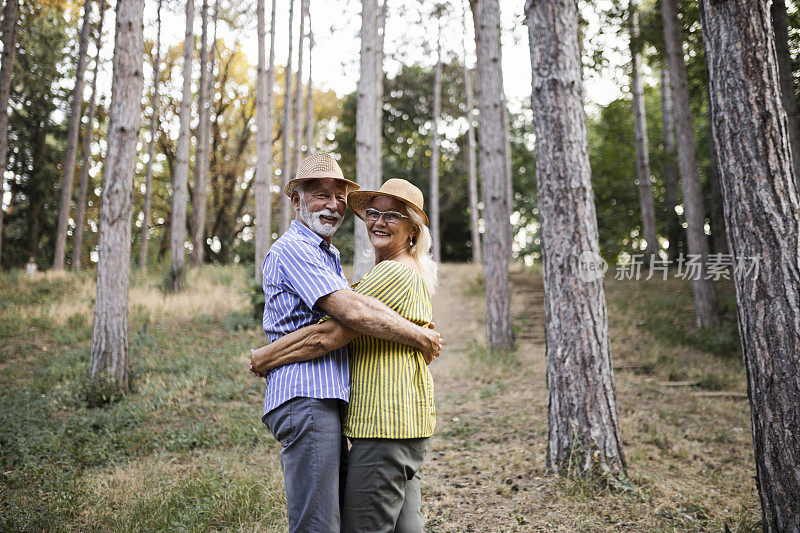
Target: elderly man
303,281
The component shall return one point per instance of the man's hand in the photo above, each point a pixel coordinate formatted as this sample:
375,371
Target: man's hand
432,351
252,368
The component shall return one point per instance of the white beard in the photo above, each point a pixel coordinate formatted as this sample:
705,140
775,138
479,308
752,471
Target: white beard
313,221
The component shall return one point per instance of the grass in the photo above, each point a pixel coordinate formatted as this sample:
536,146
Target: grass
186,449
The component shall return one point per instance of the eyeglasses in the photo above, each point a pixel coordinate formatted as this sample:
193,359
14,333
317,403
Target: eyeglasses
390,217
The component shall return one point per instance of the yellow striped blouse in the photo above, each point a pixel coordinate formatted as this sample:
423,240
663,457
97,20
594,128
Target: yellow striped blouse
391,388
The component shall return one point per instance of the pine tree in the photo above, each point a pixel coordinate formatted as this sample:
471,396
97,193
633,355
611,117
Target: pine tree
582,413
288,129
10,20
762,211
110,351
494,174
76,114
86,155
264,121
703,291
368,125
180,179
151,150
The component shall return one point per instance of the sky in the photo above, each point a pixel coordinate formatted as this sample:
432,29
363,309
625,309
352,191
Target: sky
410,37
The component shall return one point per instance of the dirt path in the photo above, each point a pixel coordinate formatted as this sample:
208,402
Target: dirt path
689,459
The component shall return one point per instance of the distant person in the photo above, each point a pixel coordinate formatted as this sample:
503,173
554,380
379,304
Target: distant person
391,416
30,267
303,281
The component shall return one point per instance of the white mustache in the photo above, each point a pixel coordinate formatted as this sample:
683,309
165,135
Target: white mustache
328,213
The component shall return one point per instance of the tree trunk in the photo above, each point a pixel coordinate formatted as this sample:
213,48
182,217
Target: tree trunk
151,150
718,234
309,94
86,156
640,133
298,89
10,19
784,57
670,170
496,251
705,295
509,174
762,213
582,412
110,356
264,126
76,113
434,181
177,250
202,151
368,126
471,164
288,130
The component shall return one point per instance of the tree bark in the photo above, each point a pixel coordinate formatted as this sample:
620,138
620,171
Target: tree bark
10,19
718,233
582,412
670,170
202,151
177,250
784,56
86,156
151,150
298,88
762,213
705,295
496,251
471,164
76,113
110,356
640,134
509,173
264,120
309,92
434,179
368,126
288,130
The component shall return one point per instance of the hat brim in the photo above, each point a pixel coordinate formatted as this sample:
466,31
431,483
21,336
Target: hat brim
359,200
295,182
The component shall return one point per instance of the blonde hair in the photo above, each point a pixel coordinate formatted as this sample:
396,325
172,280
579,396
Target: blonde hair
421,252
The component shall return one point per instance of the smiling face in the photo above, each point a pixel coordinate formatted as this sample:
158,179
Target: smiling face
390,240
320,204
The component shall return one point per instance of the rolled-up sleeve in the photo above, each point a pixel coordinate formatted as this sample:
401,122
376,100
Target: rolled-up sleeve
306,273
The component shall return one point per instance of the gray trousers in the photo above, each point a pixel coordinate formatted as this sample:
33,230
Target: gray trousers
383,492
314,461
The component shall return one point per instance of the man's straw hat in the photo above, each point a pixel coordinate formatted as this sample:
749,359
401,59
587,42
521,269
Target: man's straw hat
396,188
320,165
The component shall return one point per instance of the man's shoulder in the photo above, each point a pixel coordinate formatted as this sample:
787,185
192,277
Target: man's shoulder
291,244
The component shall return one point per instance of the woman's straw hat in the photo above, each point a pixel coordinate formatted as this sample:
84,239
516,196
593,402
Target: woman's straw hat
397,188
320,165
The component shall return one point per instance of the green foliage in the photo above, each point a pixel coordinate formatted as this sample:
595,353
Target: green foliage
36,140
407,111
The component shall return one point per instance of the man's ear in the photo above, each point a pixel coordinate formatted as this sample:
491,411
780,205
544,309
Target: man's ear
296,199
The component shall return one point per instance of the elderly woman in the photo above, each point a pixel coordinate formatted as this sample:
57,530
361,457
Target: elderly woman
391,416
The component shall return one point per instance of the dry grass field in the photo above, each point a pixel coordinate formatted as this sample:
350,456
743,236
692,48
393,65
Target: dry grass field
187,451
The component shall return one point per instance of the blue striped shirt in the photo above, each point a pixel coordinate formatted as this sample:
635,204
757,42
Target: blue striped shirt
299,269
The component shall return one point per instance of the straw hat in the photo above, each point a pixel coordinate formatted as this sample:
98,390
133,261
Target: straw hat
396,188
320,165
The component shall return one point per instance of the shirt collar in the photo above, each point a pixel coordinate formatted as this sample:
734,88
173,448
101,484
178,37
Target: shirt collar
309,236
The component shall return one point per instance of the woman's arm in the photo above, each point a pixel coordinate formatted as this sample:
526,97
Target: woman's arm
304,344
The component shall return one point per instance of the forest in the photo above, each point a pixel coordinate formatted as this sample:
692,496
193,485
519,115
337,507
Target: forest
614,206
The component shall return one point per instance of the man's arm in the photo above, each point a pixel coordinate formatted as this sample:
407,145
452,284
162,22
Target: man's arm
371,317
